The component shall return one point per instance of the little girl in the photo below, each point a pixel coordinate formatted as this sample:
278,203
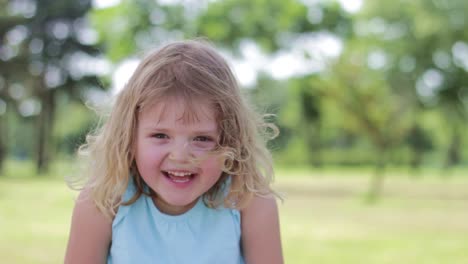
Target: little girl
179,172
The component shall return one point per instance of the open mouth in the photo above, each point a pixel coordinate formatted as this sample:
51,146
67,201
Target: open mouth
178,176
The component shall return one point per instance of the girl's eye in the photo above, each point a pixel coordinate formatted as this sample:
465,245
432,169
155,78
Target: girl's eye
203,143
203,139
159,135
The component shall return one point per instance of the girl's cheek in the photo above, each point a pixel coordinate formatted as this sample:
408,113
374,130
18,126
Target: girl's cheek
215,162
207,155
204,157
156,151
199,153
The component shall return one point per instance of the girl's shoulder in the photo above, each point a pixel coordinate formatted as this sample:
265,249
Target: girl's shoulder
90,233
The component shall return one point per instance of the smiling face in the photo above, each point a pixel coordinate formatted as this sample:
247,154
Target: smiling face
169,141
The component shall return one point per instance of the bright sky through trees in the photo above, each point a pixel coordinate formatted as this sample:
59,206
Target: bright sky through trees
281,65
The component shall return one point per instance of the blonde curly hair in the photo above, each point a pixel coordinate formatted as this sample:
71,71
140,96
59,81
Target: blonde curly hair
187,70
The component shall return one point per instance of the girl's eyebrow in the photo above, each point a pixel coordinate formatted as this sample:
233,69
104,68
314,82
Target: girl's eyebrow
195,131
209,131
153,128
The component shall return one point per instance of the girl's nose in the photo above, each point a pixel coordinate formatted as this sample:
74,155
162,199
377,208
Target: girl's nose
180,152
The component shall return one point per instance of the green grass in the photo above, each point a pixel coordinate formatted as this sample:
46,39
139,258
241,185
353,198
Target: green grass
323,218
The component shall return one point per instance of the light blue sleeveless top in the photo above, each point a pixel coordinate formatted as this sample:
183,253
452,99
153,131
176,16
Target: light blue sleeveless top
143,234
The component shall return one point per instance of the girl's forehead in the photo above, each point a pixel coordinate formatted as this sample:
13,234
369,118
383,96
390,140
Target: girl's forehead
180,110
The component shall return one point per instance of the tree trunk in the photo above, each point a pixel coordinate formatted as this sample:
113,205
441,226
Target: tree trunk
2,141
3,130
415,163
313,141
45,121
377,180
453,153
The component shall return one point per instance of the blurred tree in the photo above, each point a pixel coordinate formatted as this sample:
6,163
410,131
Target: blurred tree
419,142
273,25
397,56
310,112
269,97
3,131
425,44
141,25
72,126
370,106
46,53
6,22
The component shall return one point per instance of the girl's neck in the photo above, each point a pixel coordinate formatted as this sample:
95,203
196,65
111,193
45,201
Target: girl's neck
169,209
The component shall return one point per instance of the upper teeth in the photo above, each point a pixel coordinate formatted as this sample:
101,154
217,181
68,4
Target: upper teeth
179,174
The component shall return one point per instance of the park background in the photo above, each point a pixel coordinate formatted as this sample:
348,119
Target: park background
371,98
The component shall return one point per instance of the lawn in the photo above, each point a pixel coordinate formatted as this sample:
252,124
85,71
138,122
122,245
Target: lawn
323,218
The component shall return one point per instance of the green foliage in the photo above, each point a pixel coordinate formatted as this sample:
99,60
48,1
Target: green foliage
260,20
132,27
401,66
425,59
74,122
44,45
114,26
21,144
